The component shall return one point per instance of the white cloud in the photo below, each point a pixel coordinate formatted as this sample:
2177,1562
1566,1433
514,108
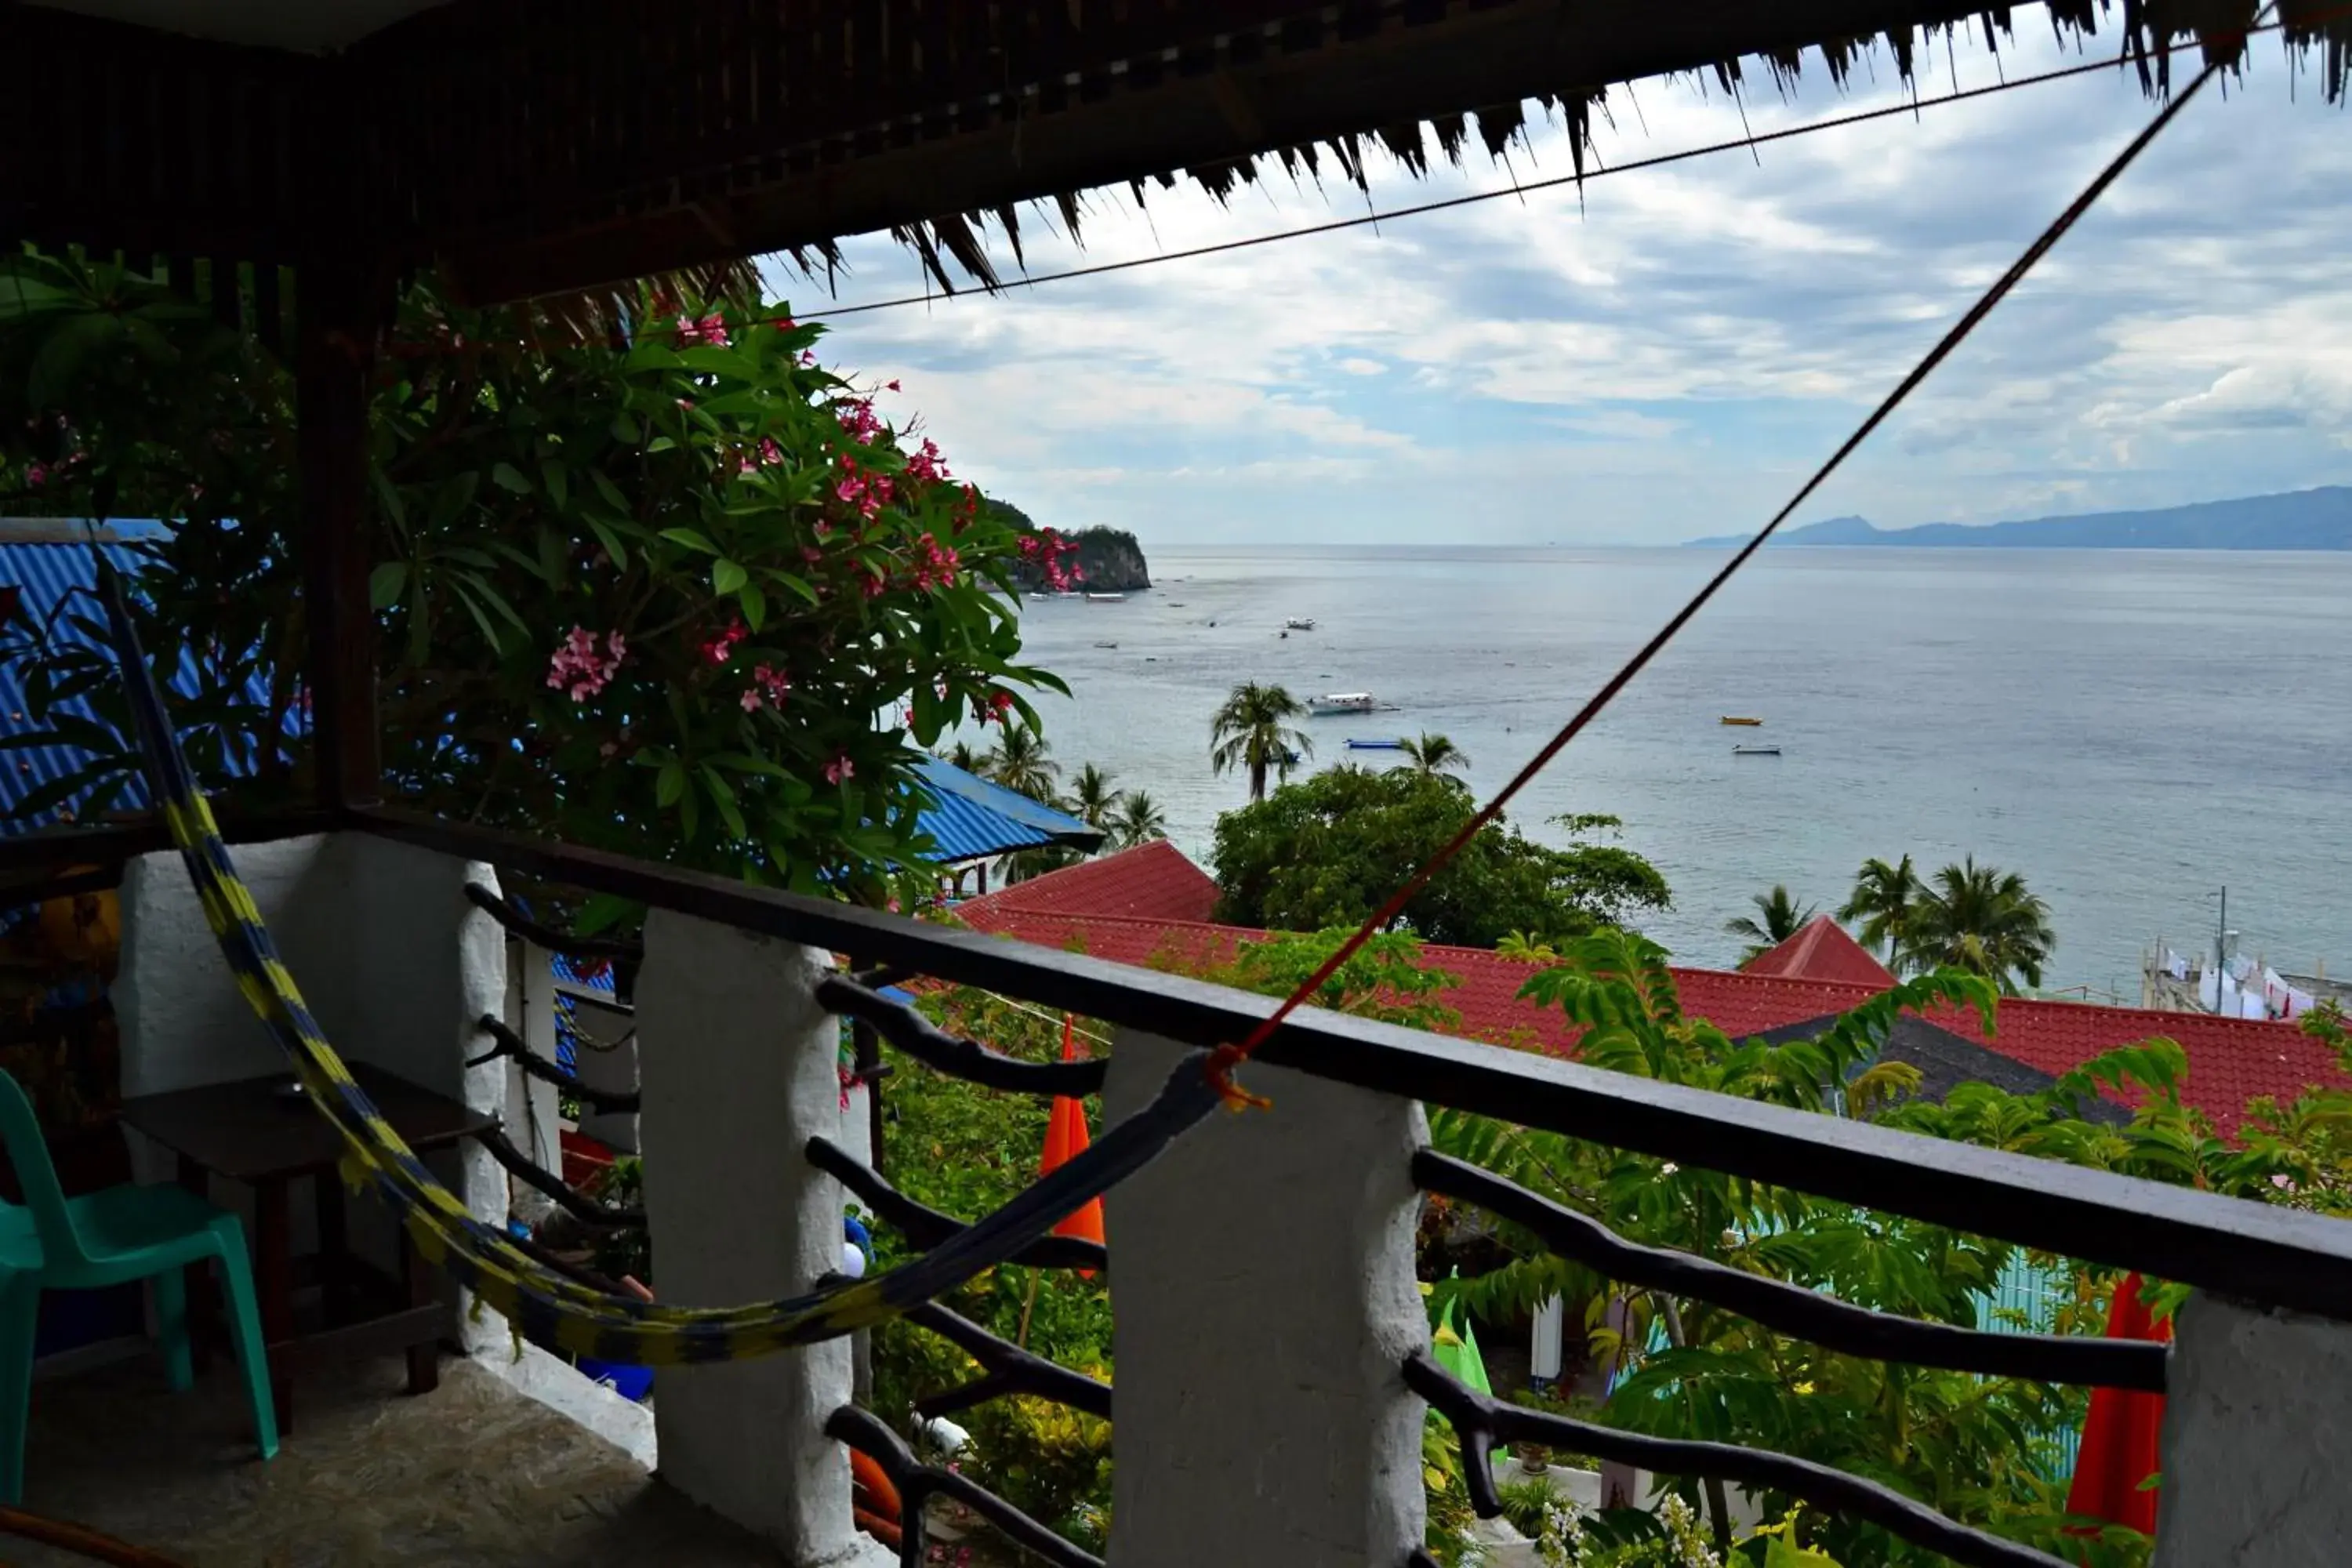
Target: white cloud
1675,345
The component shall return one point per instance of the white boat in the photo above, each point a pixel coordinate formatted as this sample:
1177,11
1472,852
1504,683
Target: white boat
1755,751
1300,622
1342,703
1106,645
1107,598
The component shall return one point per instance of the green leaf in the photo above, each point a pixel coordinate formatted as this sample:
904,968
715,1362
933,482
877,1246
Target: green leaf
722,795
610,491
796,585
611,541
507,477
550,473
727,577
669,784
387,496
690,539
387,584
755,605
625,430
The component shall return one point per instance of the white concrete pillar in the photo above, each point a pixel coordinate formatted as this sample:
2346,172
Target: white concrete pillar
740,1072
1547,1345
2257,1440
1264,1296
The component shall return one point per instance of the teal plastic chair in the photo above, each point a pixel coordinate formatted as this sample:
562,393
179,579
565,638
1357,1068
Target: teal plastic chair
111,1238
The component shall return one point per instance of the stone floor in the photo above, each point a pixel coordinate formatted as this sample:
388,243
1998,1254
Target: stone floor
473,1474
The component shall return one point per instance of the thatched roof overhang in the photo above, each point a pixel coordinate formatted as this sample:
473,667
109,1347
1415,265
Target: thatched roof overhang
537,146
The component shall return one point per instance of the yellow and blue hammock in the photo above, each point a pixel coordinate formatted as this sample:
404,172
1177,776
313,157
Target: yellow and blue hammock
549,1308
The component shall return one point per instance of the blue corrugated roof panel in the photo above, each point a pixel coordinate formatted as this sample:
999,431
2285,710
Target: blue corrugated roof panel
969,819
973,818
47,575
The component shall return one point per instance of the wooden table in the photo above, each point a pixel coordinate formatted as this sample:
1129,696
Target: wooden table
254,1132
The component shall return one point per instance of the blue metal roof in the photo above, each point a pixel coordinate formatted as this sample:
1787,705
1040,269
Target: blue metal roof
969,818
48,574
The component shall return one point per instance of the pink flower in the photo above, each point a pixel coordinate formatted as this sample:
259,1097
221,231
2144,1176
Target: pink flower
710,332
37,476
719,647
578,669
769,688
840,768
784,325
925,464
808,357
857,417
2283,1182
609,750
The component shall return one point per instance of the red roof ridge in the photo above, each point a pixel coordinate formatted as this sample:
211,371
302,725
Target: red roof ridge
1153,880
1821,950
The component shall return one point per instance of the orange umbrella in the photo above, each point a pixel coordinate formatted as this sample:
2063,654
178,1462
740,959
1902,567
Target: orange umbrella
1065,1138
2119,1438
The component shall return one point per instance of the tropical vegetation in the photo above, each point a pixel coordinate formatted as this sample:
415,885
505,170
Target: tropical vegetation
1967,916
1251,735
1430,753
1776,920
648,589
1328,851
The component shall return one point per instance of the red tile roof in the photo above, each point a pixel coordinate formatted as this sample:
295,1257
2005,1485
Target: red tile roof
1822,950
1150,881
2231,1060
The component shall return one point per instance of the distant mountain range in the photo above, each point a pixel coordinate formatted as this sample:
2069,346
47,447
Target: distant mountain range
2301,520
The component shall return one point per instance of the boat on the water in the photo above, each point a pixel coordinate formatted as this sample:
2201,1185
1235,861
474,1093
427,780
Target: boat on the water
1334,702
1354,745
1107,598
1106,645
1755,751
1728,719
1300,624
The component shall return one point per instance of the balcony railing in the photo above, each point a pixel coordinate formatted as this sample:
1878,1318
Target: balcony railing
1271,1382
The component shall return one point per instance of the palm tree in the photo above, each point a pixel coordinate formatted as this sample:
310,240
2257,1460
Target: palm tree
1434,755
1781,918
1092,798
1250,732
1883,899
1021,761
961,755
1138,820
1983,919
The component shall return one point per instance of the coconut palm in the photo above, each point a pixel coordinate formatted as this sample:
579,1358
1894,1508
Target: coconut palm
961,755
1983,920
1882,901
1137,820
1251,732
1433,755
1022,760
1776,918
1092,796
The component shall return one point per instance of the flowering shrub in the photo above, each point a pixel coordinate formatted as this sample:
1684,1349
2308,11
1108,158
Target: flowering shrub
683,593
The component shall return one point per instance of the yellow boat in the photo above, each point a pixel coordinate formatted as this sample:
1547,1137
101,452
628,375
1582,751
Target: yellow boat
1731,721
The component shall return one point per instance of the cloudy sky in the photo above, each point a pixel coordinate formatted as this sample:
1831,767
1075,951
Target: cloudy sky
1666,356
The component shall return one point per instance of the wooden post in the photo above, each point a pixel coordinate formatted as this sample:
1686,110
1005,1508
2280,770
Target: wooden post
338,309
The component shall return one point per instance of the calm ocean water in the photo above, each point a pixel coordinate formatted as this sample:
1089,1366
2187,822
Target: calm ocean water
2129,730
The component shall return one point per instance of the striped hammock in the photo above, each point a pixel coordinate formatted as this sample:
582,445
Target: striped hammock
549,1308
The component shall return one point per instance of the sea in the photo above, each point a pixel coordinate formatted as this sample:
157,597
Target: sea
2132,731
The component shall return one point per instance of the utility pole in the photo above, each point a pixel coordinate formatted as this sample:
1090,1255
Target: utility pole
2220,949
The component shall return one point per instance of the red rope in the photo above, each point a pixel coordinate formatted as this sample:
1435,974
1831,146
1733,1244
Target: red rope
1225,1059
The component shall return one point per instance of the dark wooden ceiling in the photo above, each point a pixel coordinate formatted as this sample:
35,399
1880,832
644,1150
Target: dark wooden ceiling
535,145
